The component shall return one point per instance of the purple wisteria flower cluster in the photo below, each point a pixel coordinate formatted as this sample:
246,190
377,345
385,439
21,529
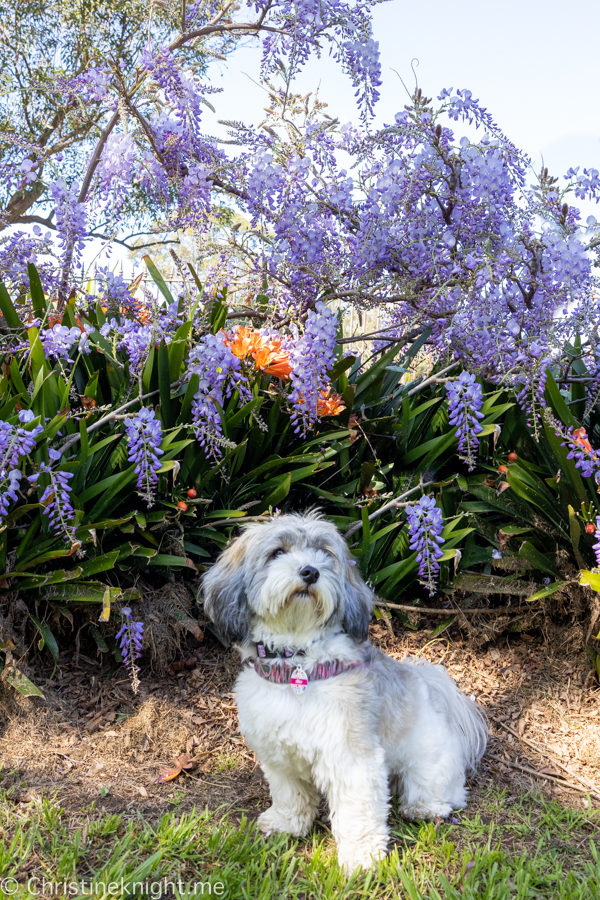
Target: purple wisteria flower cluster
218,371
58,341
311,355
596,547
144,437
425,526
465,399
56,497
16,442
130,637
133,337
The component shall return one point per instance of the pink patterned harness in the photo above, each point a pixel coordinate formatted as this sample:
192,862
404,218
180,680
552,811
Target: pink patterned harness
281,673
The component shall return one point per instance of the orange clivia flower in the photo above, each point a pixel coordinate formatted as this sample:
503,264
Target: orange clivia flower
272,360
580,438
244,341
268,355
330,404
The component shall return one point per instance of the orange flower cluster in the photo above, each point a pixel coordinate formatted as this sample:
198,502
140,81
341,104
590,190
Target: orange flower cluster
267,353
330,404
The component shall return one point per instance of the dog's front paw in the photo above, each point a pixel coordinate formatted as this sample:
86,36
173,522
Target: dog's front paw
277,821
428,811
353,856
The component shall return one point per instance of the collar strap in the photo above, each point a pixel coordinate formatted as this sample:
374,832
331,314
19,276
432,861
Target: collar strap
281,673
263,652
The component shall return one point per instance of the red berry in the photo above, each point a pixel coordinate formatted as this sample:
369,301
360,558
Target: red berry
590,528
192,493
182,505
502,469
512,457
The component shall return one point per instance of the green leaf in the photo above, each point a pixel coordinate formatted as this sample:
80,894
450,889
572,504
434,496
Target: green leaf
37,292
547,591
341,366
148,373
591,579
218,316
537,496
575,531
108,484
164,385
171,562
430,450
185,414
538,560
177,349
38,580
108,498
45,557
38,358
368,378
158,280
278,493
441,627
568,468
21,683
100,642
8,311
99,564
87,592
234,420
491,584
16,379
558,403
47,639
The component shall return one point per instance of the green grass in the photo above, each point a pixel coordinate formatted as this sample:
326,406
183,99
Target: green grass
513,847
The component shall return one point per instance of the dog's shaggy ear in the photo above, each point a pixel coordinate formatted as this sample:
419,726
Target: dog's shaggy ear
358,606
224,594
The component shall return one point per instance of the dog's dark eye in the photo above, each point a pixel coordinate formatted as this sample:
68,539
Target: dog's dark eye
276,553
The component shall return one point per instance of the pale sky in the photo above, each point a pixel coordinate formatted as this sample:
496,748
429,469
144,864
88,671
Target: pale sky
535,66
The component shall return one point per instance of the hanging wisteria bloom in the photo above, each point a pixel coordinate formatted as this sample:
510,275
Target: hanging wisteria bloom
596,547
465,399
311,356
133,337
58,341
218,369
425,525
9,485
16,442
56,498
144,435
130,637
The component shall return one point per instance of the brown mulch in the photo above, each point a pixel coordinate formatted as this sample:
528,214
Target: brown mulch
92,740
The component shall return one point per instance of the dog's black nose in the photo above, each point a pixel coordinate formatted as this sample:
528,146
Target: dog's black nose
309,574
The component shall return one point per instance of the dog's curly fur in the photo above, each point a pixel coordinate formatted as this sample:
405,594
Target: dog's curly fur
383,728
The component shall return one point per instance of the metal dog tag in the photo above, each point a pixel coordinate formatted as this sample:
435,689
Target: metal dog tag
298,680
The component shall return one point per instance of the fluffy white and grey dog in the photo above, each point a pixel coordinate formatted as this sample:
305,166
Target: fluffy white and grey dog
326,712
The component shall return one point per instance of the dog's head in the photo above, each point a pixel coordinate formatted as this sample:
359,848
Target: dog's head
292,575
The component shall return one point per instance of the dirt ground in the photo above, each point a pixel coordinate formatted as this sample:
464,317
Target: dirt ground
93,741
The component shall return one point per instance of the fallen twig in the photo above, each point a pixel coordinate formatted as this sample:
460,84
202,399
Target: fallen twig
397,501
429,610
562,782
